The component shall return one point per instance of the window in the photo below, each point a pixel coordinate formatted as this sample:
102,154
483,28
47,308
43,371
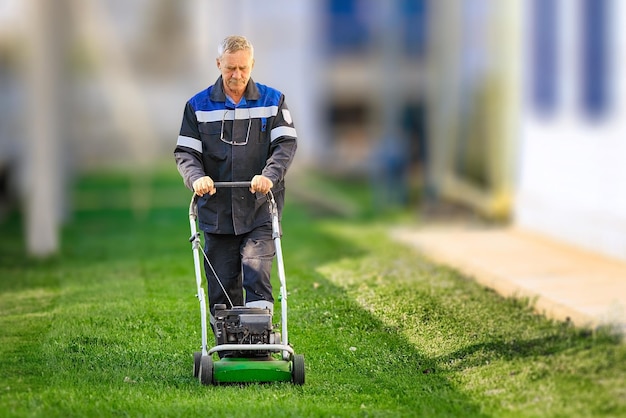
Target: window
594,56
544,54
414,28
347,28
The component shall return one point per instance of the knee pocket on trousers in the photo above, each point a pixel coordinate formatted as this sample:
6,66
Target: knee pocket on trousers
258,249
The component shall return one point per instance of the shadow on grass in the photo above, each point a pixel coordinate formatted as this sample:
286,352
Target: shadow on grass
352,345
352,357
569,340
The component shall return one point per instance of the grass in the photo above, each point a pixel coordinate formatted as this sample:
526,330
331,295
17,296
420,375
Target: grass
108,327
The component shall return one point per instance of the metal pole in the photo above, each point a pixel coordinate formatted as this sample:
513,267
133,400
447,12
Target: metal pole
43,186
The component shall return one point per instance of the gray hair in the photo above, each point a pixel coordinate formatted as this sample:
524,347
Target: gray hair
234,43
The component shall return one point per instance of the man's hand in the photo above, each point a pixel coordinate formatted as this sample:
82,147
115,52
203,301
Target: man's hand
260,184
203,186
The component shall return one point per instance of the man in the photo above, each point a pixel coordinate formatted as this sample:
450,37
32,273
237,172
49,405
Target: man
237,130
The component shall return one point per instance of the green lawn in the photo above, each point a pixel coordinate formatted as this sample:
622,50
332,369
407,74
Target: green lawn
108,327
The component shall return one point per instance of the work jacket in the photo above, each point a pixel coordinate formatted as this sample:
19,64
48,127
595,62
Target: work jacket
229,142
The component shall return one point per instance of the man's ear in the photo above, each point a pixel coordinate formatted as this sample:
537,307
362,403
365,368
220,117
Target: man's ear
218,63
252,64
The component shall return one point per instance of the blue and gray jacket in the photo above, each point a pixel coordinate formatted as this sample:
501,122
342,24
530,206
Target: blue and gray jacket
235,143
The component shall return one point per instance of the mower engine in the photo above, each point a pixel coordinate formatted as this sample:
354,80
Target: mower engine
243,325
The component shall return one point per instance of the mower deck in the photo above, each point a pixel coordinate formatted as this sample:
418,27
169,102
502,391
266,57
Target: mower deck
244,370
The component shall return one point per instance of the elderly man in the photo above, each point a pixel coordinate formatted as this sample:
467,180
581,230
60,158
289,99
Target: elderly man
236,130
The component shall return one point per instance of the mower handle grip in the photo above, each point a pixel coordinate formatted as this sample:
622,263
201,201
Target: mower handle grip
231,184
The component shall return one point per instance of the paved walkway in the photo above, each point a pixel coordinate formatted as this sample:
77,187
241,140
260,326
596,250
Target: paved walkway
565,283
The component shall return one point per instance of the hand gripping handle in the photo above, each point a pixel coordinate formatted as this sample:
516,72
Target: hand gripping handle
218,184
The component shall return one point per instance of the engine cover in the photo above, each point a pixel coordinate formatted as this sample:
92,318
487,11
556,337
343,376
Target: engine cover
243,325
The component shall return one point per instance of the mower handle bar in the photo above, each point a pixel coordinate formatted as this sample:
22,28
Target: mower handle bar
231,184
218,185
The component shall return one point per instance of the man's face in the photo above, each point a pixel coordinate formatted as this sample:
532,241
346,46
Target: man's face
235,68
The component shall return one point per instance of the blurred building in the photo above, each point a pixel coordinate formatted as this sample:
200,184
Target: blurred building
108,81
513,108
528,115
375,83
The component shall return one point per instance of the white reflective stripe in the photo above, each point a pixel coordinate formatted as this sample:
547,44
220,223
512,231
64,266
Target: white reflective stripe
263,112
239,113
263,304
193,143
209,115
283,131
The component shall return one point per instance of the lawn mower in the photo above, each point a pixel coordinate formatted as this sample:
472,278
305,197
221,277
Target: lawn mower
248,348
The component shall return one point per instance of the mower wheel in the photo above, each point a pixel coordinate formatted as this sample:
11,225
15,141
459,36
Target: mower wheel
205,374
196,363
297,370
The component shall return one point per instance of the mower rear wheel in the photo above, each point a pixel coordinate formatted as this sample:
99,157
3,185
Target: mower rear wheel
297,371
205,374
196,363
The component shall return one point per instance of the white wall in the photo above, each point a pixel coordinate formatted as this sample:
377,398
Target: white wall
572,169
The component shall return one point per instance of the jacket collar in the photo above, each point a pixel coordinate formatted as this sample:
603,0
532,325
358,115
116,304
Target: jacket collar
218,95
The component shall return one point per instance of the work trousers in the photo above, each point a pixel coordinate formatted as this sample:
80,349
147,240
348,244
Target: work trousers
243,264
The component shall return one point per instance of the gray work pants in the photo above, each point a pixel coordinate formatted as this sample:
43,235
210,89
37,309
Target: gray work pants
243,264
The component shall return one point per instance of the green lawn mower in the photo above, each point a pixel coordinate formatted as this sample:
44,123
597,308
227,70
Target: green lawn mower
247,349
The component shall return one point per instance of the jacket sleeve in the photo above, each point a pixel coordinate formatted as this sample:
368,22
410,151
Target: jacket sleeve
188,151
283,144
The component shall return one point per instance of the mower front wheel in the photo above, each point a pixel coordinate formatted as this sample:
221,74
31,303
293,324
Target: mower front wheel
205,373
297,370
